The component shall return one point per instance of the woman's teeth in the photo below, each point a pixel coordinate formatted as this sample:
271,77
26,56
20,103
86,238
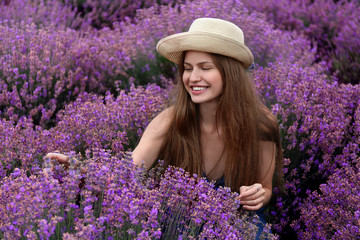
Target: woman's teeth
198,88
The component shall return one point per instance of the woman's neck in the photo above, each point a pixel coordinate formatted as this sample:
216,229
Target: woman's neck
208,117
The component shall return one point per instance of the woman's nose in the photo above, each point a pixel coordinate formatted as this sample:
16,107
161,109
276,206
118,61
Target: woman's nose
195,76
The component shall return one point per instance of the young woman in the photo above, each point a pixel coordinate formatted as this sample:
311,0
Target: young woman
217,127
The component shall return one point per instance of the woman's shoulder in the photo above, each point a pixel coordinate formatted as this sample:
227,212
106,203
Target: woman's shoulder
166,114
160,124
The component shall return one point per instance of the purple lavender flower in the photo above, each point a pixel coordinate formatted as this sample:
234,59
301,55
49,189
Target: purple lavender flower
333,213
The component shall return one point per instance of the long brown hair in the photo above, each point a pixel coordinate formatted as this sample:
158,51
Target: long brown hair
243,119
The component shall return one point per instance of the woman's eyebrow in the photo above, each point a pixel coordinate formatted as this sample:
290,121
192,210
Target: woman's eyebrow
200,63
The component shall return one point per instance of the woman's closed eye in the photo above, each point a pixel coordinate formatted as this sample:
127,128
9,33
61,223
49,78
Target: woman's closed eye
202,68
206,68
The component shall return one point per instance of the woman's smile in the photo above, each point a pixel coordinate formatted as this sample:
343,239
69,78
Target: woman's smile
198,89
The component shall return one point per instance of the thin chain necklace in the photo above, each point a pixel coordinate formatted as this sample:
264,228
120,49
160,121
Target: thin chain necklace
217,162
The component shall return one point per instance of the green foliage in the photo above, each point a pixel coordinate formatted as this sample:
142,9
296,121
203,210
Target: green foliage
146,71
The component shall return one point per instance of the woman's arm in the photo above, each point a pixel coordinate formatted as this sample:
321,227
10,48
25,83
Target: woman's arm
150,143
259,194
148,148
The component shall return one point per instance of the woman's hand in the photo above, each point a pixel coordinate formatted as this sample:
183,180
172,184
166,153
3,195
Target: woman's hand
71,164
60,158
252,197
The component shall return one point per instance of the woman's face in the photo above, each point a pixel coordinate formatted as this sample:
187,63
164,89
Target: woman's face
201,78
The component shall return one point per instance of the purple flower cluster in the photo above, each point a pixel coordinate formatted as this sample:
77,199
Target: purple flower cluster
41,13
334,213
316,113
100,13
20,146
332,26
193,205
45,68
33,207
90,122
96,122
319,120
113,201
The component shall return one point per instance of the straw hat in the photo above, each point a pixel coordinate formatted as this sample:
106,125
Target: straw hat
207,35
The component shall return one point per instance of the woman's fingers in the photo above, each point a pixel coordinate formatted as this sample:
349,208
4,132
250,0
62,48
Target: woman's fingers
60,158
254,207
253,201
255,189
252,197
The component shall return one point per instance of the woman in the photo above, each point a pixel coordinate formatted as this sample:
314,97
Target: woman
217,126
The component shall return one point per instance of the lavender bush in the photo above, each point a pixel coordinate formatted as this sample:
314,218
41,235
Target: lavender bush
20,146
334,212
41,13
115,203
34,207
332,26
90,122
46,68
106,123
319,124
102,14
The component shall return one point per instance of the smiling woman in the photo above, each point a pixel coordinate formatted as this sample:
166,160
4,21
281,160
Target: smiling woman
217,127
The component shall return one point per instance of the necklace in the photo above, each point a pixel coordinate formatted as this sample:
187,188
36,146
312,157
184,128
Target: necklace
217,162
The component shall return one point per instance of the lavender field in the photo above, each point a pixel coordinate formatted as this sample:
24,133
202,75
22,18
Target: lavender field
82,77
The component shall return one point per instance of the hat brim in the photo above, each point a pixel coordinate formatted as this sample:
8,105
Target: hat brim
173,46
